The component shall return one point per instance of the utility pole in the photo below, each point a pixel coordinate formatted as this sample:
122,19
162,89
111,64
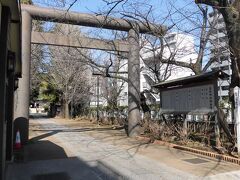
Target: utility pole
98,94
72,108
98,99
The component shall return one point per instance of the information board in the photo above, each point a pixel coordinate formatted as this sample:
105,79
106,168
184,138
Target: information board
197,99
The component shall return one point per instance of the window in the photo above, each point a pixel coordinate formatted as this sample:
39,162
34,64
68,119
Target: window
170,38
221,20
224,68
224,58
223,39
222,30
224,88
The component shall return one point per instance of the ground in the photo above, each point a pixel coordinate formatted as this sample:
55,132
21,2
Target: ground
67,149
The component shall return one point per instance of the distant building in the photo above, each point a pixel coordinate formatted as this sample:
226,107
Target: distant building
183,47
182,44
123,97
95,97
219,51
106,85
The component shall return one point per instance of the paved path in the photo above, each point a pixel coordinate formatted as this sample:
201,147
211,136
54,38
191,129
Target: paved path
64,152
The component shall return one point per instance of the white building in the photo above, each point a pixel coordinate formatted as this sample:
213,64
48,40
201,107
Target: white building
106,85
123,97
96,92
180,44
220,52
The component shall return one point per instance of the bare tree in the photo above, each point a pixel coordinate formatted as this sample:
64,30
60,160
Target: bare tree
230,11
197,64
69,75
112,87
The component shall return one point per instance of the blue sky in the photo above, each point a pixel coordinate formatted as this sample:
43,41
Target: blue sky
160,8
88,6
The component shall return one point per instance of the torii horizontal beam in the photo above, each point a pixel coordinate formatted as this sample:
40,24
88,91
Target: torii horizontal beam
82,42
91,20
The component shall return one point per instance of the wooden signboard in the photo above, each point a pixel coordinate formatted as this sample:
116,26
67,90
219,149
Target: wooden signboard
197,99
190,95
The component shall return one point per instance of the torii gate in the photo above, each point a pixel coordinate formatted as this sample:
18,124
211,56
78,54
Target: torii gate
131,46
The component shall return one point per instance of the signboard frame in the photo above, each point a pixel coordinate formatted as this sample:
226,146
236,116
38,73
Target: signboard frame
198,110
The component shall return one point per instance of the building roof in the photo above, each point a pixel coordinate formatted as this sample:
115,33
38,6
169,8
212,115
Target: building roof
192,80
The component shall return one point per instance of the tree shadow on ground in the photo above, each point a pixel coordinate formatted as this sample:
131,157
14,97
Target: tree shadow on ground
44,160
55,131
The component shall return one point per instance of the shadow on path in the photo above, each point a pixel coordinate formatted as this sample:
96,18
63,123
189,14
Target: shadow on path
45,160
43,150
55,131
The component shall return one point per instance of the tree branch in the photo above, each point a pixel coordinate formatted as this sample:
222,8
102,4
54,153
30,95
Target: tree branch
208,2
173,62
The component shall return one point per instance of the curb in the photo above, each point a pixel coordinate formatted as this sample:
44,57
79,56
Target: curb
201,152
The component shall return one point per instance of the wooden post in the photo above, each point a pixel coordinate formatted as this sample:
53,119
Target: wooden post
217,131
237,116
185,126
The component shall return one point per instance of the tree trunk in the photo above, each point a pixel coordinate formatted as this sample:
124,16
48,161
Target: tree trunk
66,110
146,111
235,63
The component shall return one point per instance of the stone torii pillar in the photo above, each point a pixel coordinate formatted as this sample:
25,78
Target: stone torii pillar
133,82
21,109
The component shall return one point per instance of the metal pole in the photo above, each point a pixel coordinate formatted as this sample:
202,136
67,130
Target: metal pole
21,114
133,82
97,99
237,116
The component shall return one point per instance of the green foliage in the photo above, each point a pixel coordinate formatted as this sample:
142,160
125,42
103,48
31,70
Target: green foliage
48,92
34,94
26,2
154,107
46,108
225,105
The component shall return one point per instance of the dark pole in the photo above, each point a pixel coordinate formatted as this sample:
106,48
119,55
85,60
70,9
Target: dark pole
97,99
97,74
71,108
